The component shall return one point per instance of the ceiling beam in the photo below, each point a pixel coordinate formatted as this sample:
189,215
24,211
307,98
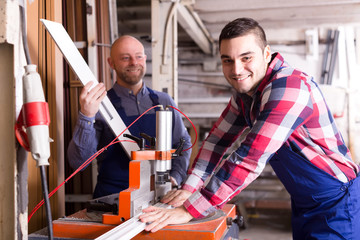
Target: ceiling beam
300,17
285,14
215,28
234,5
192,24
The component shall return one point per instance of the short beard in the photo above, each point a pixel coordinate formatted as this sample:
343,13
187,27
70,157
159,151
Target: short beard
130,80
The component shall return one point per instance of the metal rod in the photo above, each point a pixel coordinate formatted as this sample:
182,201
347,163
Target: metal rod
333,56
100,44
324,71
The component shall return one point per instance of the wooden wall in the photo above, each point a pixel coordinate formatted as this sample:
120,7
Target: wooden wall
49,63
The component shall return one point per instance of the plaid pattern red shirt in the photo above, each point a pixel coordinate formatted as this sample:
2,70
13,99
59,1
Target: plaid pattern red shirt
287,108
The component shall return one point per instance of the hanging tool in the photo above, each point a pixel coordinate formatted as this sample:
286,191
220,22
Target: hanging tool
32,129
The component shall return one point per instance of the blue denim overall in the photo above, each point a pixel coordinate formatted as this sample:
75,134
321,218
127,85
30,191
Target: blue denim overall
113,175
322,206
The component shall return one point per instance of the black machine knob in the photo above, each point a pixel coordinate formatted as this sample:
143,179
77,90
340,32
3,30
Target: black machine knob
152,140
140,141
179,148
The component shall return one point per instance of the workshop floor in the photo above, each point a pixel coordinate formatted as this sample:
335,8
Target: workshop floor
268,227
261,232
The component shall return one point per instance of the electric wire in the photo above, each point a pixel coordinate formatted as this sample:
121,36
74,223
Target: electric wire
190,123
24,37
47,202
90,159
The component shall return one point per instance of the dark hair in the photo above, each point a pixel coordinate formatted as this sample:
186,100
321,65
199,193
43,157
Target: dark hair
241,27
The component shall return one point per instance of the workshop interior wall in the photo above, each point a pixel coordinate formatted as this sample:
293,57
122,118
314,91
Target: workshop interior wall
193,70
49,63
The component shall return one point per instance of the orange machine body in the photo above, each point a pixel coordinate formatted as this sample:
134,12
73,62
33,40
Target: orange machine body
89,225
135,174
82,227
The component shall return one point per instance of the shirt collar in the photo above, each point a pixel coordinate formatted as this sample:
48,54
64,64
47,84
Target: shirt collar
123,91
277,61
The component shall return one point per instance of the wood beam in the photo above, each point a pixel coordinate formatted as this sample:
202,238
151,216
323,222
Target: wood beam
7,146
192,26
236,5
50,67
320,14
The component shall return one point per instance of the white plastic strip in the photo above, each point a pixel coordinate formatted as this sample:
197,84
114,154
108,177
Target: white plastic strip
82,70
128,229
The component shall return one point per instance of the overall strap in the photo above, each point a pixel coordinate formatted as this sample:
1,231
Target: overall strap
115,100
154,97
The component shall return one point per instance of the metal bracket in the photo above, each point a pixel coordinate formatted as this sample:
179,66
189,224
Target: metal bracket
100,44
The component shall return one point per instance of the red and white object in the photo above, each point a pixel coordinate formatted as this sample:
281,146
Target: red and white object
32,125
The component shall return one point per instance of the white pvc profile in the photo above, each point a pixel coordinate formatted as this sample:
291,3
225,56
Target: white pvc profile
128,229
85,75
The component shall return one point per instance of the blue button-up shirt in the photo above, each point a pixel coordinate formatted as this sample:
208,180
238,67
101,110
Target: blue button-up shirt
86,136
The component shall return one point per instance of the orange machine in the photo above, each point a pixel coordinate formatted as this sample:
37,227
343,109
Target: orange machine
83,225
148,182
90,225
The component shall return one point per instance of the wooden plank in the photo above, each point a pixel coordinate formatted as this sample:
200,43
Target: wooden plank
7,147
235,5
104,38
56,100
49,61
302,13
192,26
36,39
92,38
272,26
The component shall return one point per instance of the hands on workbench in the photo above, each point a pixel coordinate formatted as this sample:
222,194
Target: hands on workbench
161,217
176,198
157,218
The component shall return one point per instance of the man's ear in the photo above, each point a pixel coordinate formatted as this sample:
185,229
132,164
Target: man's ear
110,62
267,54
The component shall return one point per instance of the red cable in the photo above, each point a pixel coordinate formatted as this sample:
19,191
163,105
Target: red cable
191,124
89,160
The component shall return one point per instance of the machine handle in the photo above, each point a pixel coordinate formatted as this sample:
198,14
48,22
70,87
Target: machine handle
139,141
152,140
179,149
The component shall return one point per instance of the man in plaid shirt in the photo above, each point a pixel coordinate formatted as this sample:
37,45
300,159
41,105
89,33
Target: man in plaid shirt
281,117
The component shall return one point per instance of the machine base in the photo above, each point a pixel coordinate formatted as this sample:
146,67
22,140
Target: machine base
83,225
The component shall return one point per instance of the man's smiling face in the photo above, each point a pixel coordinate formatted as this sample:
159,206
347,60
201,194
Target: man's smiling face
128,59
244,63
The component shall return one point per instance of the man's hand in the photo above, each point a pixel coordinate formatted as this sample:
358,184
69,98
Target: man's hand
161,217
176,198
90,100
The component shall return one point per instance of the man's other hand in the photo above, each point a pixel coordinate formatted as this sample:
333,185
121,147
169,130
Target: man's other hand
157,218
176,198
90,100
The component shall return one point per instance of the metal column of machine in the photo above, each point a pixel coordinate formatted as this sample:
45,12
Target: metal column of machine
163,145
143,191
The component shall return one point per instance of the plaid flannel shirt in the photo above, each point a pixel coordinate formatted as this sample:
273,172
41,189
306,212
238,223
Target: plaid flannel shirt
287,108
